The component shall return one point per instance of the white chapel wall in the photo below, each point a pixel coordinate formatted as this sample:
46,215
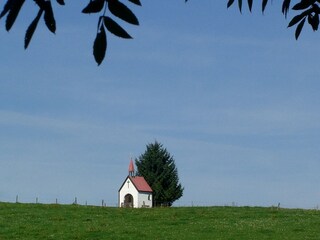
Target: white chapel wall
145,199
128,189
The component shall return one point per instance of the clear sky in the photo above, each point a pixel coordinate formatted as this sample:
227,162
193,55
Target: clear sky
234,98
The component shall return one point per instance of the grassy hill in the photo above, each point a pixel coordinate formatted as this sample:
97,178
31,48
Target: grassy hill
40,221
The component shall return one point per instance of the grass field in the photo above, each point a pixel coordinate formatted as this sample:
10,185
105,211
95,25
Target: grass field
40,221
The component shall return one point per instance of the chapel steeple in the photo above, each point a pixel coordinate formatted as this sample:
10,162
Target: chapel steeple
131,168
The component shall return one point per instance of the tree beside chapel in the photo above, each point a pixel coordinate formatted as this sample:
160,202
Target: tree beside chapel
158,168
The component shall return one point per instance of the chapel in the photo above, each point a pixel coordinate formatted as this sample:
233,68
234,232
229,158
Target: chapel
135,192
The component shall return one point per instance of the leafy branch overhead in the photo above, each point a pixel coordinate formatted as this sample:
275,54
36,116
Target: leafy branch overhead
119,10
308,9
116,8
12,8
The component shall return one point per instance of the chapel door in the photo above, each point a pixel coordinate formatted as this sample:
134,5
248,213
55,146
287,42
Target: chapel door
128,200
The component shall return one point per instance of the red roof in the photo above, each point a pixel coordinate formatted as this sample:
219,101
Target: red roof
141,184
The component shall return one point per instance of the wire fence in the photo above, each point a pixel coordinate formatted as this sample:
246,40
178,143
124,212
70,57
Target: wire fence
276,205
74,201
103,203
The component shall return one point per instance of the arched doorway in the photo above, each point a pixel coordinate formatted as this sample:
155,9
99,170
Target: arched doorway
128,200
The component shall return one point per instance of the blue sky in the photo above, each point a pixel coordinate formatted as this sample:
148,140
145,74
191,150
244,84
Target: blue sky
234,98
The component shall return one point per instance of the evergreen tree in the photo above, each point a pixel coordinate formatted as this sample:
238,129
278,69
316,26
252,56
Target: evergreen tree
157,166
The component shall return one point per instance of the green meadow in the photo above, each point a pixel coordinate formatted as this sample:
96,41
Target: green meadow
42,221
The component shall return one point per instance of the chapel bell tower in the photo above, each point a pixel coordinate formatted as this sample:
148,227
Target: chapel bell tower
131,169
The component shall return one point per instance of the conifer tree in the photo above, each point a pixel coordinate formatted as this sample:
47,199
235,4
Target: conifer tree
157,166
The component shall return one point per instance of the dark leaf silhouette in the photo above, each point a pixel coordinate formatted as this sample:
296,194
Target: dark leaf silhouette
136,2
14,10
41,3
299,28
122,11
313,20
94,6
240,5
285,7
6,8
48,17
100,45
115,28
230,2
61,2
304,4
298,18
264,4
31,29
250,2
